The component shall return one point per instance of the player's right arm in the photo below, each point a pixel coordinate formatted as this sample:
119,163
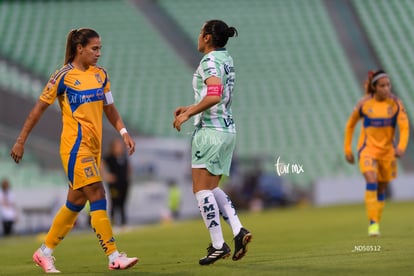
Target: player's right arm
31,120
47,97
349,131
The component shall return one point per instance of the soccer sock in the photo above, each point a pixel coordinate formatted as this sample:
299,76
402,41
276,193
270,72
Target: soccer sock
380,204
46,251
102,226
371,202
62,223
113,256
227,209
211,216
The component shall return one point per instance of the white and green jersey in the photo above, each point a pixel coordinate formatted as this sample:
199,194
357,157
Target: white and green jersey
217,63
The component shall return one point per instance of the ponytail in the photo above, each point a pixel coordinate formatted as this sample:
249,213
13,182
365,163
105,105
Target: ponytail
70,47
231,32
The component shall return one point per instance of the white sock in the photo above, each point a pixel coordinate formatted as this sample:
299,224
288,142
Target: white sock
227,210
113,256
211,215
46,251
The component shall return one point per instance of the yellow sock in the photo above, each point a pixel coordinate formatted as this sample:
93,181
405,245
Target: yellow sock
102,226
62,223
371,202
380,205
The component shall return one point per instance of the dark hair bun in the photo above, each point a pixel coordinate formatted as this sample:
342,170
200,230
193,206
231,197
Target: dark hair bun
231,31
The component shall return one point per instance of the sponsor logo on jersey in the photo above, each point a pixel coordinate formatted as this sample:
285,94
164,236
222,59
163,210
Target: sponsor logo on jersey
100,94
228,69
50,84
87,159
389,110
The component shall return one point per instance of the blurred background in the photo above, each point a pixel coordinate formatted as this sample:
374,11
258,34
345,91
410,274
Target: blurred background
300,68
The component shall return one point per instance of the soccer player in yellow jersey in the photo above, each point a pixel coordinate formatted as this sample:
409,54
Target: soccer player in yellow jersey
83,91
381,112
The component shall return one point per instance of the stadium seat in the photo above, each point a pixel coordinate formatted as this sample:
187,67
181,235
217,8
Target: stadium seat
389,27
295,87
148,79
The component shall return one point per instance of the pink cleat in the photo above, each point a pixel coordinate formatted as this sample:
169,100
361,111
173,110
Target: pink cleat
122,262
47,263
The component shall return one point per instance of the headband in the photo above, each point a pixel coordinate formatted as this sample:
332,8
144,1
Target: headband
377,77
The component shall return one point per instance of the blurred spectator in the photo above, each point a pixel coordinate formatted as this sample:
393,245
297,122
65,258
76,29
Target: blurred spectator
116,172
7,208
174,199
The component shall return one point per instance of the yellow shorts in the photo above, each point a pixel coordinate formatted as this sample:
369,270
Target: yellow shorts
386,170
81,170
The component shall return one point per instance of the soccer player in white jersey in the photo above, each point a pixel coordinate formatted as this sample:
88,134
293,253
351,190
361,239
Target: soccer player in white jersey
214,139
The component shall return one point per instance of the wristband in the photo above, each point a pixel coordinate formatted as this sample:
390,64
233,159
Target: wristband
123,131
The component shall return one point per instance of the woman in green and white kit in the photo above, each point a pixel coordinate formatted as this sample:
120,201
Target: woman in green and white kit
214,139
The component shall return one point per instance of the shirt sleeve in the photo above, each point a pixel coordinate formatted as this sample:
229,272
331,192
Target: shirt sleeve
349,129
107,83
50,91
210,67
403,126
108,99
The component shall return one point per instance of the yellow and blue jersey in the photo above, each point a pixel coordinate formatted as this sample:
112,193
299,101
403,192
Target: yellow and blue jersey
379,121
81,96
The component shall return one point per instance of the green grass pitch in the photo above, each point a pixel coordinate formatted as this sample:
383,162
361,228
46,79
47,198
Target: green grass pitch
294,241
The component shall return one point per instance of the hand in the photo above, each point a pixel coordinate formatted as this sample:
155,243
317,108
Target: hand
129,143
179,120
17,152
398,153
111,178
180,110
350,158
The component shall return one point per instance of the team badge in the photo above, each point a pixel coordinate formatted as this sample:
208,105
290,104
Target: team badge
88,172
98,78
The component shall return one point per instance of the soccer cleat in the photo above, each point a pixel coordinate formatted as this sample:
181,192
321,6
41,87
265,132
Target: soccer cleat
215,254
240,243
373,230
47,263
122,262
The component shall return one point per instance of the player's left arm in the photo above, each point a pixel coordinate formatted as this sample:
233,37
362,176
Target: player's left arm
213,97
116,121
404,128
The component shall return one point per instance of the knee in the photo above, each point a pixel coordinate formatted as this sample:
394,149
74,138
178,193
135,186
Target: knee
382,186
75,207
94,192
370,177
